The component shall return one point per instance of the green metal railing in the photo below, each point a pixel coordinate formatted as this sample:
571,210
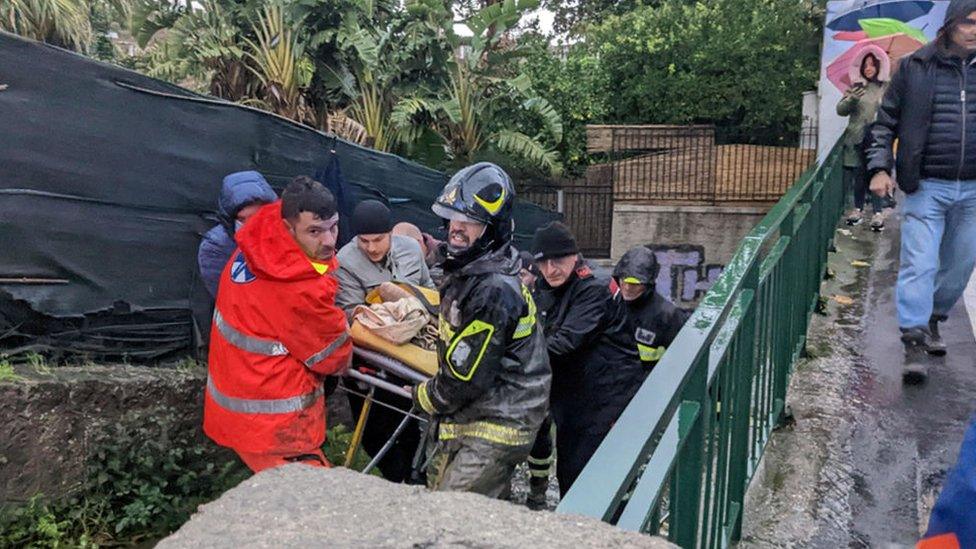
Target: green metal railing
683,452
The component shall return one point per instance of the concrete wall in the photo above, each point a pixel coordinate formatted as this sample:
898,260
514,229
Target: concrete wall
53,418
692,243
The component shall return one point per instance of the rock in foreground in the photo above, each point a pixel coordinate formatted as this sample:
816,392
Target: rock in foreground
297,505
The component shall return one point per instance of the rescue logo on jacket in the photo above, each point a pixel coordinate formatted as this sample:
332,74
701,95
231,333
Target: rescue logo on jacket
645,336
239,272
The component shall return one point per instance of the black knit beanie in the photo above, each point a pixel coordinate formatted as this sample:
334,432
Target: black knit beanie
553,240
371,217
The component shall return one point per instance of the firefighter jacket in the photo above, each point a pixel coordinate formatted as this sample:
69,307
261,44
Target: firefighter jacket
276,333
654,322
595,366
493,376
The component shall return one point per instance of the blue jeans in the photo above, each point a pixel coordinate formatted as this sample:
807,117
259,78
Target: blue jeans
938,249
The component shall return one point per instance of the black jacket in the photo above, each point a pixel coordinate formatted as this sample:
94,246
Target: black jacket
595,366
654,322
493,375
928,107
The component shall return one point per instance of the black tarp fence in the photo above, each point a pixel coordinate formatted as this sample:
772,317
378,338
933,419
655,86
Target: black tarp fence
108,180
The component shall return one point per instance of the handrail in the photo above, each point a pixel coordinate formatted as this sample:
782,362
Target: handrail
696,429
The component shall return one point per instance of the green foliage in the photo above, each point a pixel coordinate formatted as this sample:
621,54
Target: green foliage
7,371
575,16
575,87
144,482
337,441
740,64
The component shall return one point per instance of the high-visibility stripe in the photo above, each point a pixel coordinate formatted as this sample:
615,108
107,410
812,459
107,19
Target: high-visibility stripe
263,406
527,322
537,461
632,280
423,397
476,327
328,350
492,432
256,345
650,354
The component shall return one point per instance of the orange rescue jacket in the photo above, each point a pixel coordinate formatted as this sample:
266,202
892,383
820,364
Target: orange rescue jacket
276,333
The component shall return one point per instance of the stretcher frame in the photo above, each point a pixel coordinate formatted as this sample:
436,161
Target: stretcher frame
382,362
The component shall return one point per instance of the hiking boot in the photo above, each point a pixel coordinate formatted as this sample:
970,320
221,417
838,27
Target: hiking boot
877,222
916,368
536,500
936,347
854,217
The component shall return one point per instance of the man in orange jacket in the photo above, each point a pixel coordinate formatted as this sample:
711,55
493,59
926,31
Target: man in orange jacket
277,333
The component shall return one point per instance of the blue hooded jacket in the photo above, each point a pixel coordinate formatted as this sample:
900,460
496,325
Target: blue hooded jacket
239,189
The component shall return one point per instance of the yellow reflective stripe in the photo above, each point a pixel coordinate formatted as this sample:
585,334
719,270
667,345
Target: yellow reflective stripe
527,322
493,206
476,327
536,461
424,398
632,280
445,330
650,354
491,432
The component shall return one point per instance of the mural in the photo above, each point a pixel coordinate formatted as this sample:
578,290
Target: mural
890,28
684,277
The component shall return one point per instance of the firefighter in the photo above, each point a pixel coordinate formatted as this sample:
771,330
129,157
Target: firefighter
595,367
653,320
491,390
276,333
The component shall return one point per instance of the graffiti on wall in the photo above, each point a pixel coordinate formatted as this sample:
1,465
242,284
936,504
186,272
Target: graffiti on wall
684,277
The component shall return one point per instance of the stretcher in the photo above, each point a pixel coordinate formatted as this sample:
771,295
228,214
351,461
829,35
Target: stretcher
385,366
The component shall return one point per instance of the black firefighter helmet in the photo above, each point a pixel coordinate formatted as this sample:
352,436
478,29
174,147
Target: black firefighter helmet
484,193
638,266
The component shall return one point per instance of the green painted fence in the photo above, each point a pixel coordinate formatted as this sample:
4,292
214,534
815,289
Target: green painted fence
683,452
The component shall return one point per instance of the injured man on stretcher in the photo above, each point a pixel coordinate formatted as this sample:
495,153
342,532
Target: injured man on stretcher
384,315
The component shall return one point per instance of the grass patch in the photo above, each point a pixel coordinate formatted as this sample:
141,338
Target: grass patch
7,371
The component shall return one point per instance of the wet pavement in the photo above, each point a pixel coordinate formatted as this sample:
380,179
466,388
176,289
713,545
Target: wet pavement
864,461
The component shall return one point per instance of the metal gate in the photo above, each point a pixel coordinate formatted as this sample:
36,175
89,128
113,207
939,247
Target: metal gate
587,208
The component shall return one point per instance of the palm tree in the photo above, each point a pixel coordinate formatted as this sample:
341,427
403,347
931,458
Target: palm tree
277,58
474,111
63,23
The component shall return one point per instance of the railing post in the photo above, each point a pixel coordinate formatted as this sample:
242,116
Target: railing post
782,335
686,480
742,365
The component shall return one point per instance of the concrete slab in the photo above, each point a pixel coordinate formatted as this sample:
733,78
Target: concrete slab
301,506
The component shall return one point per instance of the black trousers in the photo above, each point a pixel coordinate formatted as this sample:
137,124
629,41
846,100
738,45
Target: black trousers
856,179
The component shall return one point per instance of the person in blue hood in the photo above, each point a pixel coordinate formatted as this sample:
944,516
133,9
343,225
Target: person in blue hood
242,195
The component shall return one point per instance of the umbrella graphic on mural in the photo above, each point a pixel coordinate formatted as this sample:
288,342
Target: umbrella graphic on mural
894,46
901,10
876,28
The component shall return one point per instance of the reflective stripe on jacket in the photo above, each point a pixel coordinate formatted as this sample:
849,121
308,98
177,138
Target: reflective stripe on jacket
275,334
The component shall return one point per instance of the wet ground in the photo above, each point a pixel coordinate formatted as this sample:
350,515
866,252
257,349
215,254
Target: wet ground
867,455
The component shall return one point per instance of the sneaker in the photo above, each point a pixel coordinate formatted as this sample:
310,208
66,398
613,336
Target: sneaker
536,500
916,367
854,217
936,347
877,222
